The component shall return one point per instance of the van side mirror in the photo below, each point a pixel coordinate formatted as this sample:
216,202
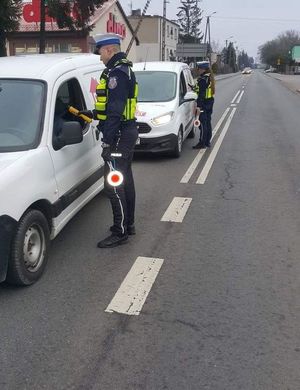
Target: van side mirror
70,134
189,96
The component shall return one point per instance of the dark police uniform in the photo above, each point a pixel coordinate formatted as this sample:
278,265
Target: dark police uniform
115,108
205,102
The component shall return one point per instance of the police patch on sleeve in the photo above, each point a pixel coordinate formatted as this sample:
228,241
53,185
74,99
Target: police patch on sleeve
112,82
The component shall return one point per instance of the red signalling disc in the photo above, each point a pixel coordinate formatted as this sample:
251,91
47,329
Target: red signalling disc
115,178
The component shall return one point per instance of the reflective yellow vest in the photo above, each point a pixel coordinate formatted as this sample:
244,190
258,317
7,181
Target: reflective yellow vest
208,93
102,95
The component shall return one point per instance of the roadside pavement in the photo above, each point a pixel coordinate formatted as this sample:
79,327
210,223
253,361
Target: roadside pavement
290,81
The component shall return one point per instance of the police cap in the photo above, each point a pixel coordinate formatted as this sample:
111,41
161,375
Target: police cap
203,65
106,39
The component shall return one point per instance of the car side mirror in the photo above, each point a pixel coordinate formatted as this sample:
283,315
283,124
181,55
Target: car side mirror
189,96
70,134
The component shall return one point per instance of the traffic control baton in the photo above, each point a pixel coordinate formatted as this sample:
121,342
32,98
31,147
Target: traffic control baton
75,112
114,178
197,121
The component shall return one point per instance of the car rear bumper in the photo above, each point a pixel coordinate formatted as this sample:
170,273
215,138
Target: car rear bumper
165,143
7,230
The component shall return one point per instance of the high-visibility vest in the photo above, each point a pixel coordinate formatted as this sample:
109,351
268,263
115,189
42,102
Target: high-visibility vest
102,95
208,92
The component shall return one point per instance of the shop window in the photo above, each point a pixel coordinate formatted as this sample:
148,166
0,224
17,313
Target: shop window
20,49
64,48
75,48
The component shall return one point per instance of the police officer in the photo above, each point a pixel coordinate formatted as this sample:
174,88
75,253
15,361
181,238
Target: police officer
205,101
115,109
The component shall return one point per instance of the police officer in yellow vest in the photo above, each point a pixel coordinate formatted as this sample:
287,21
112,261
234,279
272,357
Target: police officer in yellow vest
115,109
205,101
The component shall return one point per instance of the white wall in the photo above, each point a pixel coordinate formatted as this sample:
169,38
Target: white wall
147,51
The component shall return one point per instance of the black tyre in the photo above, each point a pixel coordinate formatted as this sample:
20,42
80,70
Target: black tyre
29,249
178,147
192,133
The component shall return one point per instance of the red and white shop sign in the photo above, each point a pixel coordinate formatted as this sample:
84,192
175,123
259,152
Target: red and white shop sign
32,12
113,27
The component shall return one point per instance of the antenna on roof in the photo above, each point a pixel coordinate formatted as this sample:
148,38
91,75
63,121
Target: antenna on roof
130,7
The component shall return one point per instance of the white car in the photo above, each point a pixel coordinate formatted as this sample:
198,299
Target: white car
166,106
247,71
50,164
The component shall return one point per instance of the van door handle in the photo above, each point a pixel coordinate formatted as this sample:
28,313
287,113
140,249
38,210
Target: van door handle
97,133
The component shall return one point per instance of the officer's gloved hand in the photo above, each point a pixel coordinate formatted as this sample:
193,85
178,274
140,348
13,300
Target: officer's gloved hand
88,113
106,153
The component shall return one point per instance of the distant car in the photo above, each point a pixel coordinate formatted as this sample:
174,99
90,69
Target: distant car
270,70
247,71
166,106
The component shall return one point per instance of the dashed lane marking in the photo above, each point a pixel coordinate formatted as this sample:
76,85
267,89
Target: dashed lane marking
237,94
189,173
132,294
205,171
177,210
240,97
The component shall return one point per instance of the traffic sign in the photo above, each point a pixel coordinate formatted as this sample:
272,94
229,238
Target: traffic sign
191,50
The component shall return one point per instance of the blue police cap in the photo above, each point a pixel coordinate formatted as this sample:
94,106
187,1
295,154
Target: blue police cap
203,65
106,39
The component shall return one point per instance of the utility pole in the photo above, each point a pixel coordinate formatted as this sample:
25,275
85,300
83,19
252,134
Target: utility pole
163,43
42,27
207,37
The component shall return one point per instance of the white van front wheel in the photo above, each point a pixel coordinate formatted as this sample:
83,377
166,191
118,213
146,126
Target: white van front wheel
29,249
178,146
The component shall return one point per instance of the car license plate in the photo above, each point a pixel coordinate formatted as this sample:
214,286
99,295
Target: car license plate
138,141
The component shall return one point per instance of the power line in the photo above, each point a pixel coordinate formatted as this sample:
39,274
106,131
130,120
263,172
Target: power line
257,19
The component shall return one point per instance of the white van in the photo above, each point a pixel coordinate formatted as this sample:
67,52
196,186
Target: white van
166,106
50,160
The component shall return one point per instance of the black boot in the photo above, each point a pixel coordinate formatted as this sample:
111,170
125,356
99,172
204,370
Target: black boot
113,240
199,146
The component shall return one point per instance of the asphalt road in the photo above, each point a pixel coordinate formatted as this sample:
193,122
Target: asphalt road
223,312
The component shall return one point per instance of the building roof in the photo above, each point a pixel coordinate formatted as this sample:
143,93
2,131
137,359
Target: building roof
52,26
153,17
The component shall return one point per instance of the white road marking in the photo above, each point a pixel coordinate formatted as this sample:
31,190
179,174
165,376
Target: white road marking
240,97
189,173
237,94
177,210
205,171
132,294
233,105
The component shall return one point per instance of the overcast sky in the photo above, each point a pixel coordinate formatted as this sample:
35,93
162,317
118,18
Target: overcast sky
251,22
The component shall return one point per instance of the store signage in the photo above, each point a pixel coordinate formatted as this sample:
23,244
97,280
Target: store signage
114,27
32,12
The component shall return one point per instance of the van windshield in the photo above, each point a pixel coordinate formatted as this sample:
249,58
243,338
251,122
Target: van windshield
21,103
156,86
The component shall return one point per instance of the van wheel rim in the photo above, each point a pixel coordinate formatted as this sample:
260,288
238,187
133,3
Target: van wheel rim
34,248
179,141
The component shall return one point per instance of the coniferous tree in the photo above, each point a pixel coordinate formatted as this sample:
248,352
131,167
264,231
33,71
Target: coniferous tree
189,19
10,11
